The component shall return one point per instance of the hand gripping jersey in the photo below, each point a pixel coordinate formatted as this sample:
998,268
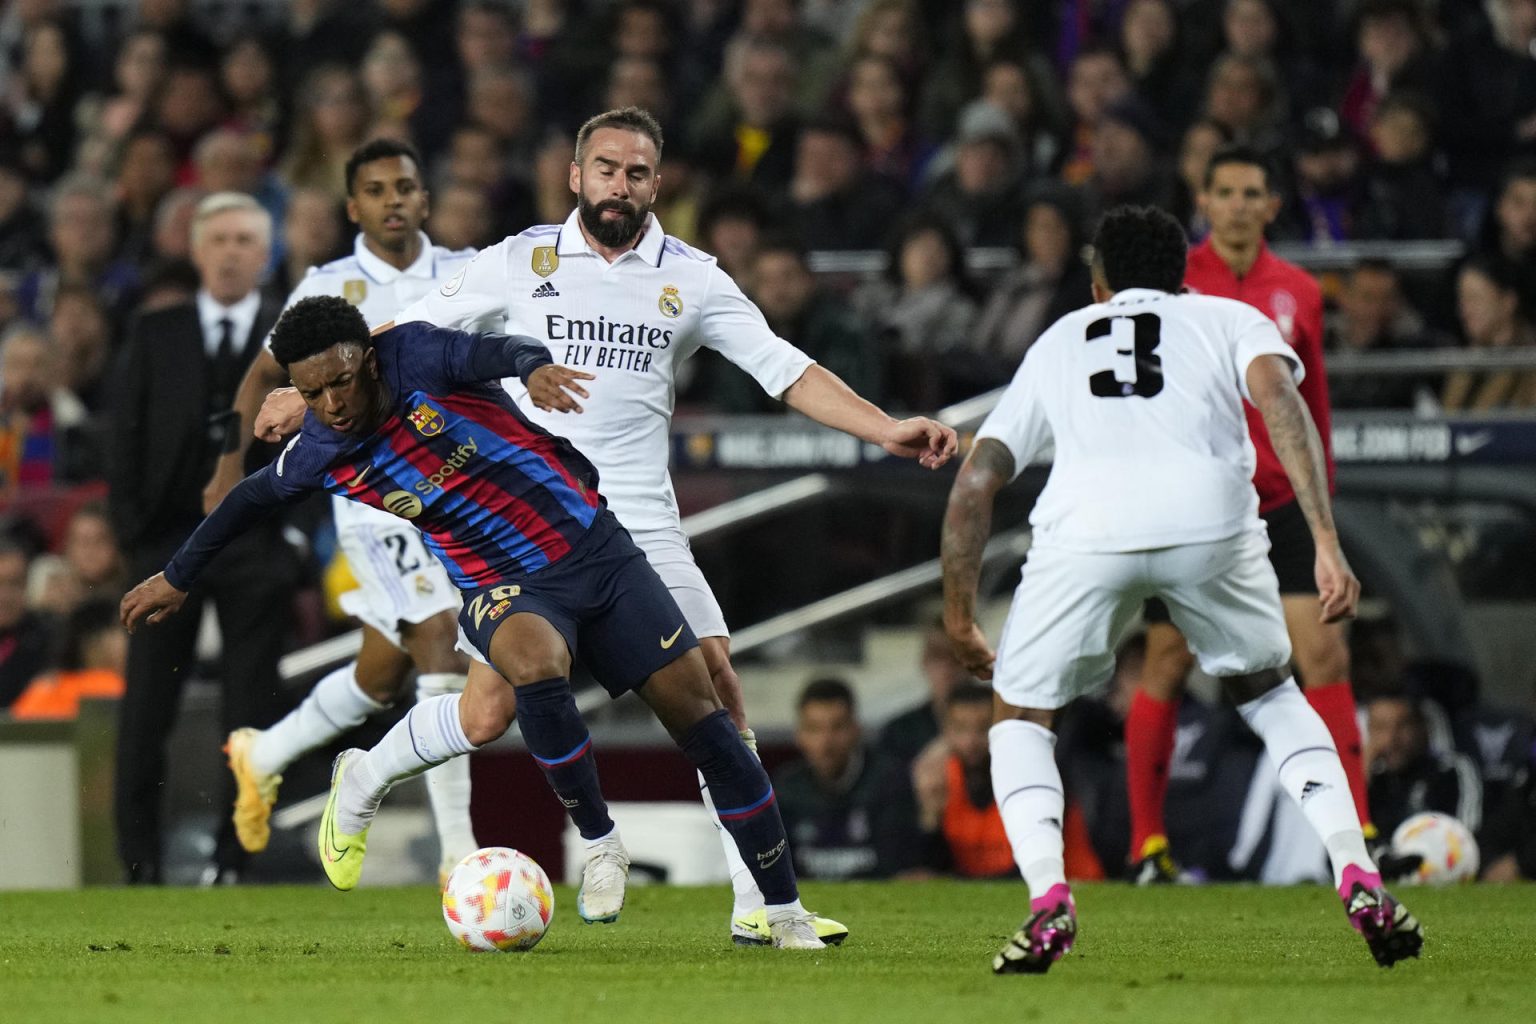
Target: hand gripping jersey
1290,297
1143,398
631,322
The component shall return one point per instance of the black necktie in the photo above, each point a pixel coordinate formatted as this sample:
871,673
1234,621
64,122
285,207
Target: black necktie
226,341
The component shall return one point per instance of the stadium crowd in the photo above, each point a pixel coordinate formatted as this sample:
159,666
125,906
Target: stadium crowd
921,129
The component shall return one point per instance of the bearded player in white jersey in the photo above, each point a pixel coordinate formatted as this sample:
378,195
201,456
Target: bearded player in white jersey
407,605
612,295
1150,496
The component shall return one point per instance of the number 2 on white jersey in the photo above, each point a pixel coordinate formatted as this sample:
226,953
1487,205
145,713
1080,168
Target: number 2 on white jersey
1128,344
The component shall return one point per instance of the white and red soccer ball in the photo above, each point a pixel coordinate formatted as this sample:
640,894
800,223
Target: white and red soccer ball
498,900
1447,846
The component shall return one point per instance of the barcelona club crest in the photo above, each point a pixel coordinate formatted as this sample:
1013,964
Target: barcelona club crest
354,291
427,420
545,260
670,303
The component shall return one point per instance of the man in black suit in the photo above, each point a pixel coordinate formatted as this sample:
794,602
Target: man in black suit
171,419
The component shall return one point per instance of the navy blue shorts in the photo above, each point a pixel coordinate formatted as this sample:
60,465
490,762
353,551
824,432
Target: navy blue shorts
606,601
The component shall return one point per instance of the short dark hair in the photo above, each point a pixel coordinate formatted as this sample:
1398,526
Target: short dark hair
969,693
86,622
1140,247
378,149
1237,153
827,690
312,325
632,118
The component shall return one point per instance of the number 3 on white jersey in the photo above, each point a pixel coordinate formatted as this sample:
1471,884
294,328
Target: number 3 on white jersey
1126,346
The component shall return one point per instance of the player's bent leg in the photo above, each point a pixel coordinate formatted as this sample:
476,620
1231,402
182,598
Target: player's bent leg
1150,728
441,671
1320,651
1308,766
684,701
1027,785
342,700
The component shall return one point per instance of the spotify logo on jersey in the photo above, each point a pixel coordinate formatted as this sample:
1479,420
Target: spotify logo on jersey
403,504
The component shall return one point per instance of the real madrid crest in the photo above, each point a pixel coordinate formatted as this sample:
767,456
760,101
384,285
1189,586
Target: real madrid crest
545,260
670,303
354,291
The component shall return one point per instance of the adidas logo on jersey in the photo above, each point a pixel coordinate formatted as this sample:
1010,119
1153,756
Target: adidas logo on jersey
545,291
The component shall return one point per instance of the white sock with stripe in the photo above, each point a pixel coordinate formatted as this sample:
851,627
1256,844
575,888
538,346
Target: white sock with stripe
333,707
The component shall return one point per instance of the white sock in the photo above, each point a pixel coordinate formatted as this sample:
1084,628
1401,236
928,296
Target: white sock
448,783
335,705
1299,744
611,834
1027,786
427,736
784,911
747,897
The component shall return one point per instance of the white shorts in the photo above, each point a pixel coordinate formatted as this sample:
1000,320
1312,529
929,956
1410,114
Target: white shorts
399,580
671,556
1072,609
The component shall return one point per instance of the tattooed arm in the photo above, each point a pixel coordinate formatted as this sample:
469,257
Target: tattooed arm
967,525
1300,450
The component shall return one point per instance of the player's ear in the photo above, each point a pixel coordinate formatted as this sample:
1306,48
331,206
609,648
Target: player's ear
1272,208
575,178
351,210
371,362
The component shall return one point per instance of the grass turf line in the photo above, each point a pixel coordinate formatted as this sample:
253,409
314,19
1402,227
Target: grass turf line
918,952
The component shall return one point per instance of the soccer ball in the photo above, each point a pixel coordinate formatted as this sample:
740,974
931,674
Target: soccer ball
1447,846
498,900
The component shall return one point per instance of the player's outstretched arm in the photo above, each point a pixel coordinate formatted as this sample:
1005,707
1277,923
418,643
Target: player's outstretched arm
1300,450
822,395
967,525
264,374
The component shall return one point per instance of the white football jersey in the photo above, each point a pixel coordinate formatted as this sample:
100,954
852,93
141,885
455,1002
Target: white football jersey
1142,396
631,323
379,291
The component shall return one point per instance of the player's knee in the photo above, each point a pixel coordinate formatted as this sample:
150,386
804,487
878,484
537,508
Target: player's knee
1323,658
432,644
382,682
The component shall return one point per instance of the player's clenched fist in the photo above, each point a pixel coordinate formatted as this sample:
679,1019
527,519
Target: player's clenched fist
971,649
150,601
928,441
551,387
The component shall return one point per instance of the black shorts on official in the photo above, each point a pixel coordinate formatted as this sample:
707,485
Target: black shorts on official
605,600
1291,553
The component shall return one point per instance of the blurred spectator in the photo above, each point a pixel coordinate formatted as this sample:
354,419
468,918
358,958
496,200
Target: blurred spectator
187,106
461,217
312,235
731,224
173,222
173,19
1052,281
755,140
1403,193
230,161
1492,316
1158,62
172,392
25,638
952,782
503,102
1406,776
892,29
552,198
979,196
881,107
1373,317
476,158
1243,96
22,227
1487,89
838,202
921,312
1329,190
82,337
1095,80
1201,140
108,120
329,122
906,735
167,283
1393,41
41,102
639,82
813,320
1262,30
1509,228
392,76
80,233
90,666
814,53
320,32
843,803
89,568
1018,88
1125,162
249,75
145,175
46,435
990,30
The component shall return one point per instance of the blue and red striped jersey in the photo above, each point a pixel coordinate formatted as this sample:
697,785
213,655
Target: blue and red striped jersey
495,496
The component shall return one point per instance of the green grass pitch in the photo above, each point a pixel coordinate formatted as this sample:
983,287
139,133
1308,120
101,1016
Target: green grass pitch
918,952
